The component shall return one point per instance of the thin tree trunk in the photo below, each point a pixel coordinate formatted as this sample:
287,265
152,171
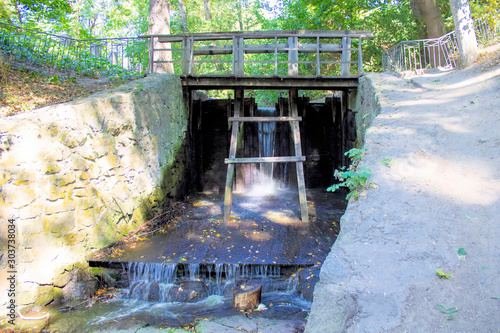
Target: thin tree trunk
206,6
18,12
182,10
239,8
159,24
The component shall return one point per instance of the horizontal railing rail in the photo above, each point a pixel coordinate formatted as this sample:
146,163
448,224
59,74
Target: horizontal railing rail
103,56
273,53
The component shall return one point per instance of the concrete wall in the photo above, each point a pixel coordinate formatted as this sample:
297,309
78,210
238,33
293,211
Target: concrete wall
76,176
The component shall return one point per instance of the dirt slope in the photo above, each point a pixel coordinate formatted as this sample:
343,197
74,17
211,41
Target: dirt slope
438,198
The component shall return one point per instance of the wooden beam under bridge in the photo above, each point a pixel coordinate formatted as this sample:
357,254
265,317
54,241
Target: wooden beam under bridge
268,82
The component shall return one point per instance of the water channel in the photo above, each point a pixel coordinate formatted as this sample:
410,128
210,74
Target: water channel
184,277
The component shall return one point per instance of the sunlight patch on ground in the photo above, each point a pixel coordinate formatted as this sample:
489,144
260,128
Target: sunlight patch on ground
283,217
476,80
470,182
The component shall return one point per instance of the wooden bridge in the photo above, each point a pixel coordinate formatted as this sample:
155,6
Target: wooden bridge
297,59
284,60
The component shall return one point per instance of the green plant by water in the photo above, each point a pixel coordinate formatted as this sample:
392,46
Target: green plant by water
353,178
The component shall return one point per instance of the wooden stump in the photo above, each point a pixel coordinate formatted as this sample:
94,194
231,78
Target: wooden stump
247,296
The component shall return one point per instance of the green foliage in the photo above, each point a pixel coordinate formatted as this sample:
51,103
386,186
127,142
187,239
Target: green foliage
390,22
354,178
449,312
387,161
442,274
461,252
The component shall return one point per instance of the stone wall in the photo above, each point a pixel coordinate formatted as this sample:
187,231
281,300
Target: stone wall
364,104
77,176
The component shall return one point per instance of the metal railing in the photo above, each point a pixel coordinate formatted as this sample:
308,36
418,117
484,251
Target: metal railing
103,56
415,55
485,32
261,53
422,53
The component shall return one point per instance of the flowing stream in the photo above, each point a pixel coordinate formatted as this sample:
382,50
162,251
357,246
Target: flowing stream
149,299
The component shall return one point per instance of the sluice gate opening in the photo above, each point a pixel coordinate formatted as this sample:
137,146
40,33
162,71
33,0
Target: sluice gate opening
327,130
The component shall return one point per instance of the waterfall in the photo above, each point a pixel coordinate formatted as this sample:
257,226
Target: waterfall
153,281
267,139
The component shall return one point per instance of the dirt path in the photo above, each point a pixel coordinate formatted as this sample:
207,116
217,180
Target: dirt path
437,207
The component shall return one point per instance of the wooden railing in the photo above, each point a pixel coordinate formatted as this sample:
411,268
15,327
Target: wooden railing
261,53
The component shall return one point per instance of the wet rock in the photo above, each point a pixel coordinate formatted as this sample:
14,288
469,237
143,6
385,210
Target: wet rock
108,277
62,278
154,292
228,289
138,290
188,292
79,290
307,281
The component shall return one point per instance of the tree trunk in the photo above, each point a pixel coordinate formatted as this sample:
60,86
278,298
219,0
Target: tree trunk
159,24
464,30
18,12
240,16
206,6
419,20
429,11
182,10
431,14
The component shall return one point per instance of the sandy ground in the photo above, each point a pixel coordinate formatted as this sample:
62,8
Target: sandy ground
434,153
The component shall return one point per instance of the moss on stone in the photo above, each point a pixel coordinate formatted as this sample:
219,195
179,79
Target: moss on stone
5,178
44,295
52,169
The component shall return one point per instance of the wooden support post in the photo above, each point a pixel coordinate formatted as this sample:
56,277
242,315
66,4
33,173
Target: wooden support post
187,56
360,58
345,65
293,56
151,68
238,56
228,195
343,125
293,95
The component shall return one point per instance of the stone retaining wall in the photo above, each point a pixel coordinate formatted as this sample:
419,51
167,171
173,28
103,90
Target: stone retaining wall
76,176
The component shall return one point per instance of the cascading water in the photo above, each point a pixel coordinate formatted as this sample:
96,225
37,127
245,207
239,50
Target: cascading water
158,281
267,139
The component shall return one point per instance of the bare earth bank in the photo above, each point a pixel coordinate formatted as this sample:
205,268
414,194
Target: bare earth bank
438,197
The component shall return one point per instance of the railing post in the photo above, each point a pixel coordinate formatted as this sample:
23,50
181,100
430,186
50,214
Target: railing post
318,59
293,56
345,65
238,56
187,56
360,58
151,54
